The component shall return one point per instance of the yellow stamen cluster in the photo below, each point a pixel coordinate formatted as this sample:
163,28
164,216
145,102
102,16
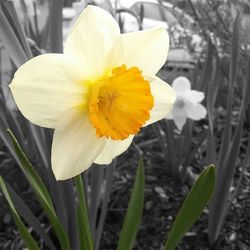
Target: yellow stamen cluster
120,104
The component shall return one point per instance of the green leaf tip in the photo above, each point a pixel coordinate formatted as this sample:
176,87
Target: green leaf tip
134,212
192,207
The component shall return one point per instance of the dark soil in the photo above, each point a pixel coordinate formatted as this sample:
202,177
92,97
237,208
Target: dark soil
163,198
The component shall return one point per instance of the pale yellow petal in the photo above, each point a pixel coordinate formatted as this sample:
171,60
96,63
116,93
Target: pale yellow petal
164,97
146,49
75,144
91,39
112,149
43,88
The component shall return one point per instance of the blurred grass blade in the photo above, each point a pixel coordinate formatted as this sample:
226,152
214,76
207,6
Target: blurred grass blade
212,92
206,73
25,234
11,42
211,148
132,13
105,201
16,26
69,217
184,147
220,201
246,87
221,198
245,164
44,35
41,193
55,17
234,57
35,17
192,206
96,183
4,135
86,241
196,147
229,147
29,217
39,140
171,146
161,139
110,7
134,212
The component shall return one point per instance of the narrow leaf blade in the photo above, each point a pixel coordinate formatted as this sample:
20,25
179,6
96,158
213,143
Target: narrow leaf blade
29,217
86,241
41,193
25,234
32,176
192,206
55,18
134,213
10,41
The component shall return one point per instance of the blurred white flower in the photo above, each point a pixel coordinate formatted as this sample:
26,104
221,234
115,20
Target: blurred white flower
187,104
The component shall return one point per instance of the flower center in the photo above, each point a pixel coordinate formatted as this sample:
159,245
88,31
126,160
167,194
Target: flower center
180,104
119,105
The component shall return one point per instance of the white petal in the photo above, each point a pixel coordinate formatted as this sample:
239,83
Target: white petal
180,121
146,49
75,144
196,112
91,40
181,84
195,96
180,115
112,149
43,89
169,116
164,97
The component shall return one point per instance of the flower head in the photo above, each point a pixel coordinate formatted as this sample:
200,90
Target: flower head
187,103
97,94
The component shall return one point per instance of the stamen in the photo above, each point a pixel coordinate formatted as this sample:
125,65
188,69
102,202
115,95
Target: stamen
120,104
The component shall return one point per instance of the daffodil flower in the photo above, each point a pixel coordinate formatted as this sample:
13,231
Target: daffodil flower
187,103
97,94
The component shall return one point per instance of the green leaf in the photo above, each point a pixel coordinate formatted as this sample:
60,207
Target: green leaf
134,213
192,206
30,173
29,217
25,234
86,241
41,193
